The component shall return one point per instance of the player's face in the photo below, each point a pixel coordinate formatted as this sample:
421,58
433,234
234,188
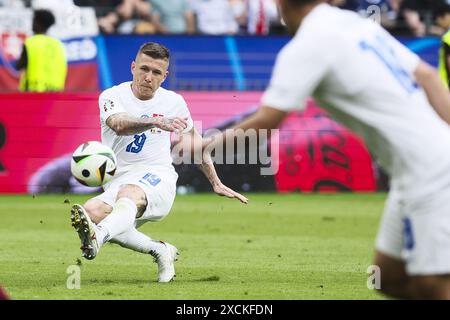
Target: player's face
148,74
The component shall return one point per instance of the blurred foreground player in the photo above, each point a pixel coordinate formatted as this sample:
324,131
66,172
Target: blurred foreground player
136,120
382,91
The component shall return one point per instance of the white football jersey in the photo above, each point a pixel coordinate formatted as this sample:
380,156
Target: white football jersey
151,147
364,78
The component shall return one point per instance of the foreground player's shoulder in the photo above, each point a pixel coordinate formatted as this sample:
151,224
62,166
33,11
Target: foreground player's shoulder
300,51
326,27
310,39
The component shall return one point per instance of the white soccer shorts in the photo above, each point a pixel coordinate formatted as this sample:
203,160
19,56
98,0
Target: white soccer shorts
159,185
417,233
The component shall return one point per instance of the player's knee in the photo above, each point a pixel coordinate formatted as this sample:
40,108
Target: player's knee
134,193
95,211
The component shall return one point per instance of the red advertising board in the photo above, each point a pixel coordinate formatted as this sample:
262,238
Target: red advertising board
39,128
316,154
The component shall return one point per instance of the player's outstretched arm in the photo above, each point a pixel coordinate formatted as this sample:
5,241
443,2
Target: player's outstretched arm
206,165
437,94
263,118
125,125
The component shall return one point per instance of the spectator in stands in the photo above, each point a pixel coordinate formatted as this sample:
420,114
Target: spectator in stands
382,11
123,16
43,58
418,16
173,16
214,17
136,17
106,11
442,15
12,3
52,5
239,9
260,15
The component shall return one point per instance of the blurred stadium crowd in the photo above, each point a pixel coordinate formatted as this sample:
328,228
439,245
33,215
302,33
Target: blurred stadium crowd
234,17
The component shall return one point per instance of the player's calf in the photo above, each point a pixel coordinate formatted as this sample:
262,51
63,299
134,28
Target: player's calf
431,287
394,280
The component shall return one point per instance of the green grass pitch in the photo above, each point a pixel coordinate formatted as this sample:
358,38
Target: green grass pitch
294,246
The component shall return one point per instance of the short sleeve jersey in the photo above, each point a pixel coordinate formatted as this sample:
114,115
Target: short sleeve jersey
151,147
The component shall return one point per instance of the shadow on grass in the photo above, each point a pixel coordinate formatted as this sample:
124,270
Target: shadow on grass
144,281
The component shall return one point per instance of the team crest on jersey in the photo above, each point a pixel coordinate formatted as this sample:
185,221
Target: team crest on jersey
108,105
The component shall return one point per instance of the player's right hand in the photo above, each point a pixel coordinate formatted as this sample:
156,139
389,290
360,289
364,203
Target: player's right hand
172,124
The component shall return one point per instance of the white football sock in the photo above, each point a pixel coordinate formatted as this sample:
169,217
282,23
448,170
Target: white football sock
118,221
137,241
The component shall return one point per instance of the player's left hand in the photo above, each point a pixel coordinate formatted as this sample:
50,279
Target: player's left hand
172,124
223,190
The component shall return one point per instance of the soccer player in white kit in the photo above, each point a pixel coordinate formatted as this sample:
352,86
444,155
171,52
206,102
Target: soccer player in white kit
137,118
376,87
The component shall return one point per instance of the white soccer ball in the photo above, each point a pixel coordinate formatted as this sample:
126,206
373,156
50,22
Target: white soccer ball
93,164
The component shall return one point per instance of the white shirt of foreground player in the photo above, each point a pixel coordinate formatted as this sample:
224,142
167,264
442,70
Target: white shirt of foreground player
152,147
364,78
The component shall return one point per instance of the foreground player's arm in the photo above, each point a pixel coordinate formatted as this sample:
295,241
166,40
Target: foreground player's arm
125,125
192,138
288,87
263,118
437,94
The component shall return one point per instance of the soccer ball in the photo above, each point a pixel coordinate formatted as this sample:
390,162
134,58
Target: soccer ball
93,164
